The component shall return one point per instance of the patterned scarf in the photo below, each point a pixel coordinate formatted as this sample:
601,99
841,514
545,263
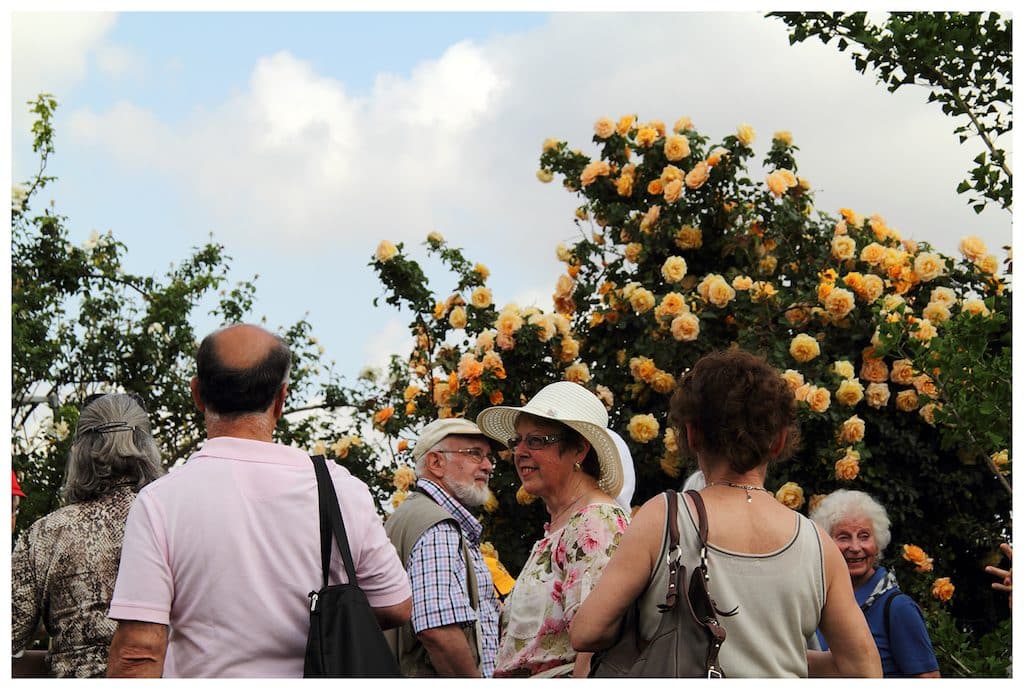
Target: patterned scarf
884,585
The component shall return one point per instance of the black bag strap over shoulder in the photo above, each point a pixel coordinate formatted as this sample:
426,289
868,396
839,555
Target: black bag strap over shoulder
331,523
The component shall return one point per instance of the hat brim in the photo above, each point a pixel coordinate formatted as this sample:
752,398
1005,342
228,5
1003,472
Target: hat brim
500,424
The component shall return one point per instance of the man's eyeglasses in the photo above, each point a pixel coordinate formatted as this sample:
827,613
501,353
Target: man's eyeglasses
533,442
475,454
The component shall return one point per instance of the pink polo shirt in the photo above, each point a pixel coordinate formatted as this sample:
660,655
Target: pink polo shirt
225,550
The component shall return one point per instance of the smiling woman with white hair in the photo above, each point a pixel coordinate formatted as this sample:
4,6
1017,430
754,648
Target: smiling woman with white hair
859,525
565,455
64,566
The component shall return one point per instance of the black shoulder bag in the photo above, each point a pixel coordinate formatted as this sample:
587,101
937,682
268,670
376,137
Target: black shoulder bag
345,640
689,636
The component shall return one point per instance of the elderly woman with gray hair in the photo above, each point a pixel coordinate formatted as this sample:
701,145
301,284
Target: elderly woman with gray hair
64,566
859,525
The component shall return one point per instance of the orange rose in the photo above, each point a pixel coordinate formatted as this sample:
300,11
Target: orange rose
848,467
943,589
698,176
381,417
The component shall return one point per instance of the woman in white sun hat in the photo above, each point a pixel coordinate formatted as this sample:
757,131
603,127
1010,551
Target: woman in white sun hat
565,455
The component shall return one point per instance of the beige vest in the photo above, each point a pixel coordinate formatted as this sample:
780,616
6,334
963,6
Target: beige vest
404,527
780,596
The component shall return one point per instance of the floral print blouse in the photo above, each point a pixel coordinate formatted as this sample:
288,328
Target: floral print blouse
560,572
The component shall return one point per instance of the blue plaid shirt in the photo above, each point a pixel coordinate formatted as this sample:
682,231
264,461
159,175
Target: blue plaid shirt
437,572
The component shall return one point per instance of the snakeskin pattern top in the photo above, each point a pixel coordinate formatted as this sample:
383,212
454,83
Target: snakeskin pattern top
62,572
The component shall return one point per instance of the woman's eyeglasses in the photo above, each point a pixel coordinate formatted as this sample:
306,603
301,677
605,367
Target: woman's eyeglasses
475,454
533,442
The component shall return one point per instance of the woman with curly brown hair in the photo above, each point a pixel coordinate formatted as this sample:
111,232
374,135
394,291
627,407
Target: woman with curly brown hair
777,575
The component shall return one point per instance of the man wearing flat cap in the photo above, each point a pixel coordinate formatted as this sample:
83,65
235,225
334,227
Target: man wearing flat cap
454,627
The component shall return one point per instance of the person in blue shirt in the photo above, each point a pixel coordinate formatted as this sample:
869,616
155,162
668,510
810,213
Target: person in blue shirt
859,525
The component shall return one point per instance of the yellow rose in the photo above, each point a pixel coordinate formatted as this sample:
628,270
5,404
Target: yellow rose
873,288
783,137
604,128
902,372
843,247
768,264
403,478
872,254
673,191
924,330
550,145
509,321
803,348
989,264
593,170
625,124
790,495
716,156
655,187
745,134
874,370
524,497
650,218
457,318
480,298
646,136
839,303
852,430
398,498
672,305
976,307
906,400
818,399
689,237
677,147
720,293
915,554
928,266
642,368
663,382
671,465
385,251
674,269
682,124
794,379
742,283
780,180
624,185
569,349
813,502
943,295
698,175
641,300
877,395
850,392
643,428
685,327
843,369
1001,457
927,412
482,271
545,176
973,248
605,395
942,589
564,286
924,385
848,467
936,312
802,391
671,173
761,291
577,373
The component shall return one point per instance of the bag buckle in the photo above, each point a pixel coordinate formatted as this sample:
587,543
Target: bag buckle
714,672
313,599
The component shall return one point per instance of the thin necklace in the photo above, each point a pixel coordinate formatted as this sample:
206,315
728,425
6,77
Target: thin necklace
562,511
746,487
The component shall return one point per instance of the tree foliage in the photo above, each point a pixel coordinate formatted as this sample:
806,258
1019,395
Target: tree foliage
83,323
965,59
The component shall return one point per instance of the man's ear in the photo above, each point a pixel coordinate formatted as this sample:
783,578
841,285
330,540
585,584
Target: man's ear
193,386
435,465
279,399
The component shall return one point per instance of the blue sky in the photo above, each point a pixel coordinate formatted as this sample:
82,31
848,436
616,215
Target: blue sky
300,140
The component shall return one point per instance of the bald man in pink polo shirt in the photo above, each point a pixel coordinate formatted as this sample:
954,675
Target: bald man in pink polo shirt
220,555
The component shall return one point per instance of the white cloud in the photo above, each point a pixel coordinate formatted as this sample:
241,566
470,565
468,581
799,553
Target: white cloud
298,163
378,347
50,52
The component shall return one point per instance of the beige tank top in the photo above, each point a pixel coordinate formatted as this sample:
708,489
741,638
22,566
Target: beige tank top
779,596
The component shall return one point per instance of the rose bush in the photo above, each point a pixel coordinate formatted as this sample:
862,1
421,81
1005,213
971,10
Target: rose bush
662,273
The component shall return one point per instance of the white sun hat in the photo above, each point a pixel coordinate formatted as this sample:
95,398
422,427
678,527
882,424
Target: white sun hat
577,408
625,497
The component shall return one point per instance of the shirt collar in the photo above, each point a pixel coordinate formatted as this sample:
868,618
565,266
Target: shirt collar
248,450
471,527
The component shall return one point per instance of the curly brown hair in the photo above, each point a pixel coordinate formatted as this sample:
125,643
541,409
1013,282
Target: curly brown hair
739,404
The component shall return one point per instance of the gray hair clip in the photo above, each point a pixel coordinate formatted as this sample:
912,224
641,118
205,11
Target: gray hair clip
108,428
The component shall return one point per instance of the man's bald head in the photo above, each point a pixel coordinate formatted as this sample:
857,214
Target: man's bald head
240,369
